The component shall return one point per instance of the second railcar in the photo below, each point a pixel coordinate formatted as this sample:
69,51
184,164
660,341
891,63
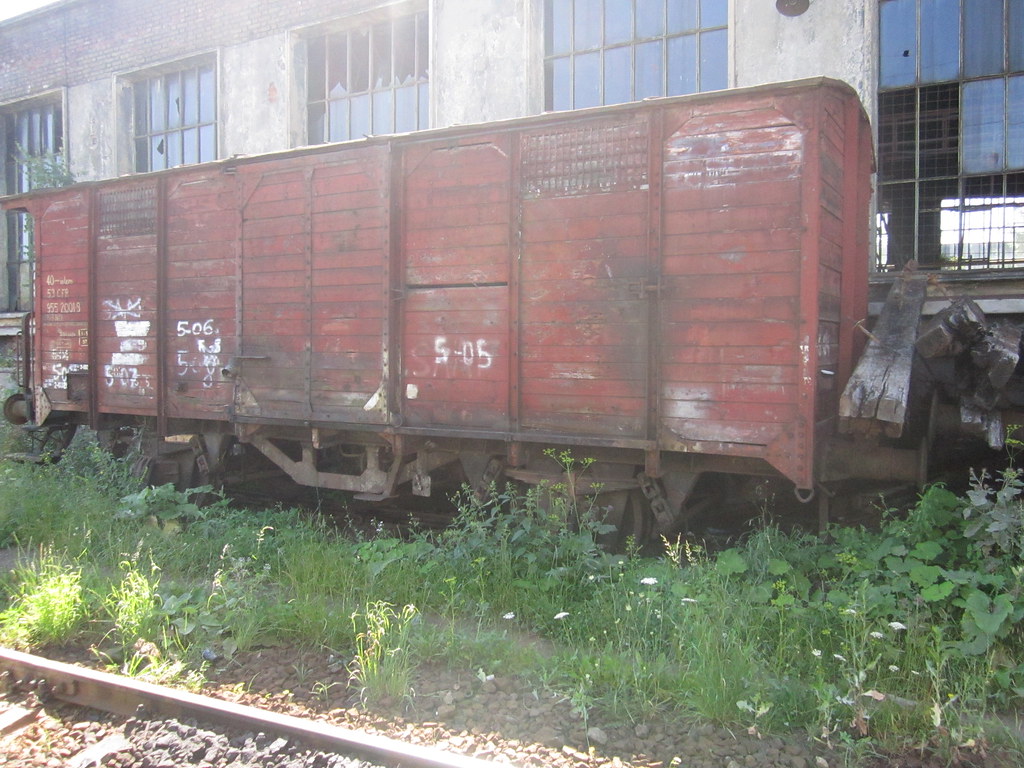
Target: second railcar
669,287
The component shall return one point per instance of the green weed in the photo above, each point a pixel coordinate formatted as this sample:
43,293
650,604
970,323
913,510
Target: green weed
383,664
48,605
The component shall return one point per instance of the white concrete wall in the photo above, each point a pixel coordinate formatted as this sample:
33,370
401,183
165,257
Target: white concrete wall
835,38
486,60
255,93
91,136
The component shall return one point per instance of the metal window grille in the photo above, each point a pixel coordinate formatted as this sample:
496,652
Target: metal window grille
951,134
175,118
35,131
368,81
615,51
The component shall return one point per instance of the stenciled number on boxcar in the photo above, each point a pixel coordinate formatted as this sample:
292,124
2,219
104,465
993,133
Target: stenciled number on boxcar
204,359
122,373
462,351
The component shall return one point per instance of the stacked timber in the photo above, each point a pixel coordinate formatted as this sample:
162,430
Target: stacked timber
986,355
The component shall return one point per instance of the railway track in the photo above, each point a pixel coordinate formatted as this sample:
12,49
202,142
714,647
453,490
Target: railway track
266,730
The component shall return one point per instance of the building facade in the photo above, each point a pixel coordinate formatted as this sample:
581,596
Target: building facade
114,87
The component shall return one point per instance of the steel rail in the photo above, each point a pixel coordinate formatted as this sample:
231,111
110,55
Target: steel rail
124,696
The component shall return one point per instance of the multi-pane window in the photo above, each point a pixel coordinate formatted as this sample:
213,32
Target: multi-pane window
951,133
33,143
175,118
368,81
614,51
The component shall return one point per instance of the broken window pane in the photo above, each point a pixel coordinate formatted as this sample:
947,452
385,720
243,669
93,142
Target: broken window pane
190,96
174,111
141,103
359,76
316,69
157,105
381,56
405,51
174,118
376,80
337,67
317,123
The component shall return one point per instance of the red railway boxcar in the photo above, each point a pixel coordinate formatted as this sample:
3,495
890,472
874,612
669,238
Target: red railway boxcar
668,287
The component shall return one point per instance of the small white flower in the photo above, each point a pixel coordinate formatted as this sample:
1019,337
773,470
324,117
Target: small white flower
878,635
850,612
687,600
648,581
509,616
816,652
897,626
561,615
893,668
838,656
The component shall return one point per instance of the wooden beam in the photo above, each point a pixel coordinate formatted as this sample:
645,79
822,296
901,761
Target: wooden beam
876,395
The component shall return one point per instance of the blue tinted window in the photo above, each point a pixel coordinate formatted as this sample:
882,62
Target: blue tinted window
559,84
898,54
1015,122
624,50
586,91
682,16
983,37
1015,36
714,13
650,18
982,125
648,70
559,26
682,65
618,22
617,69
940,40
714,61
587,25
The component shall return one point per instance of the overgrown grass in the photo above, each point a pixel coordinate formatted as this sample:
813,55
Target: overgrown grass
905,635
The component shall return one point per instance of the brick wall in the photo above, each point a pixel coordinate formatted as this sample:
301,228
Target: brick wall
78,41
